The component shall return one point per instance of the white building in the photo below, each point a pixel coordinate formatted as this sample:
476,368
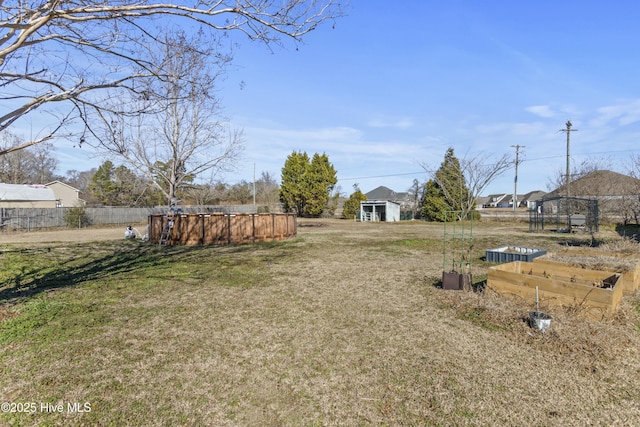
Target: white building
379,210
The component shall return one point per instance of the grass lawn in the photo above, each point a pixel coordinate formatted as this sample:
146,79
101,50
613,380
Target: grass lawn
341,325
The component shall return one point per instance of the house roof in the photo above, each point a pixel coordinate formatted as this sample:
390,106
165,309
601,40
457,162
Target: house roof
385,193
61,183
23,192
533,195
482,200
600,183
381,193
496,197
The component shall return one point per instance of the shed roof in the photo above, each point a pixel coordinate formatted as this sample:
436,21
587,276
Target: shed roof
378,202
23,192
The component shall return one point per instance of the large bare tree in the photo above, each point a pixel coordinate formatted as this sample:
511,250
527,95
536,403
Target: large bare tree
632,201
72,58
35,165
187,134
558,181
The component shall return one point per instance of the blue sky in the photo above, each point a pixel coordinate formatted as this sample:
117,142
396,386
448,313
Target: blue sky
395,84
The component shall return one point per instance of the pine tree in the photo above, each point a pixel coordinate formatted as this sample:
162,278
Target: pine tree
447,191
102,184
434,204
320,178
292,184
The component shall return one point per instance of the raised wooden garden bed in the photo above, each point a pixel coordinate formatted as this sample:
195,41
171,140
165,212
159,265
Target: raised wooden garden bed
625,263
595,292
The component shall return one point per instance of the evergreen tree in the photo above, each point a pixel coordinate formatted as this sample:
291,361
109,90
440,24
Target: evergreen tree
306,185
119,186
103,186
447,191
434,204
351,206
293,182
320,179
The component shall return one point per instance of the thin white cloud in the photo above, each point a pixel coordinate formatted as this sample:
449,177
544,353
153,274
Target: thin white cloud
403,123
544,111
516,129
623,113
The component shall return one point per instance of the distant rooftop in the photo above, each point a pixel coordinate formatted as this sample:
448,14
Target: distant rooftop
24,192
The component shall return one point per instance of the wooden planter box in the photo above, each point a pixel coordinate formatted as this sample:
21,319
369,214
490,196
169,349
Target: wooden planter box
594,292
513,253
630,277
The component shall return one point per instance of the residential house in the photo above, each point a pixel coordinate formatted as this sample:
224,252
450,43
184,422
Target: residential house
617,194
506,200
26,196
600,183
66,195
404,199
529,200
496,201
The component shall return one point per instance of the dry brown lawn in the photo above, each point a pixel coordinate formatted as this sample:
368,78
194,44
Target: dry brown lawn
349,330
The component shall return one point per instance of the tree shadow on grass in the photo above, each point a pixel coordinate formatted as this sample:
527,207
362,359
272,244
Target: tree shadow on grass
116,260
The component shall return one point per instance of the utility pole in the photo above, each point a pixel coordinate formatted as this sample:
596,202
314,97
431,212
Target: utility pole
254,188
567,179
515,181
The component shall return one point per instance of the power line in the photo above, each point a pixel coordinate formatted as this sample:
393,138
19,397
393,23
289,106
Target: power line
383,176
527,160
577,154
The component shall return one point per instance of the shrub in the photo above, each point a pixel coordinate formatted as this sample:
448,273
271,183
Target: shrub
76,217
351,206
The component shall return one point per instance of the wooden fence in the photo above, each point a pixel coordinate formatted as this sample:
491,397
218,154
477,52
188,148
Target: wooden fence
221,228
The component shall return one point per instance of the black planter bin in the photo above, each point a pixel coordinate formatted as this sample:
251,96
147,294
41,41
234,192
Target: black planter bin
456,281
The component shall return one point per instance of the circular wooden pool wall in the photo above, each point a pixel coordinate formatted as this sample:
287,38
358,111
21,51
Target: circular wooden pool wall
221,228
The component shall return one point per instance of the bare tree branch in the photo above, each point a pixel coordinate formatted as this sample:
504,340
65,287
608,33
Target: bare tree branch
80,56
187,135
476,173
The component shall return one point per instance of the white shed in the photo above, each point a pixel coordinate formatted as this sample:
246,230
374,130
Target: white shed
379,210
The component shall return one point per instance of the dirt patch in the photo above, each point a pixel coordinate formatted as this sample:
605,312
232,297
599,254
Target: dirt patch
69,235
